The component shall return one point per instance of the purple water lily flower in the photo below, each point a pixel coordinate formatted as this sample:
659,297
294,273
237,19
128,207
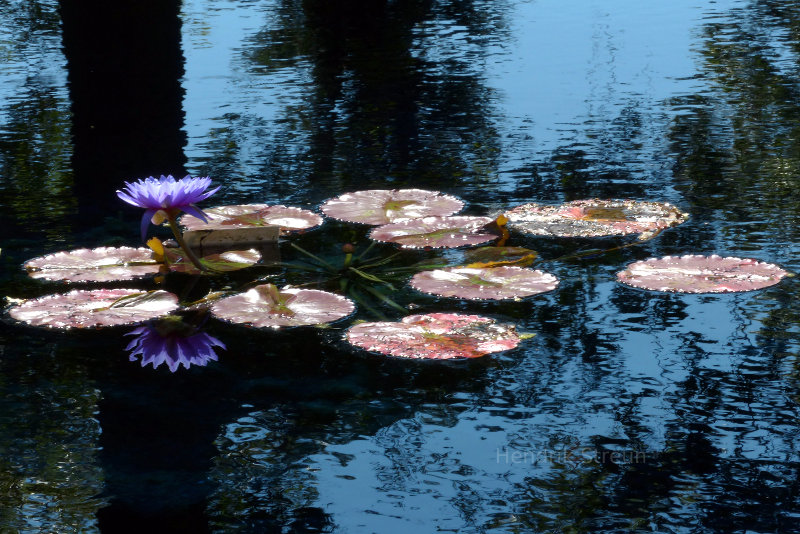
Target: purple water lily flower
168,195
173,342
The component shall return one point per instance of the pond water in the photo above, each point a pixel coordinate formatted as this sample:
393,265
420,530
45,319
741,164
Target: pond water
628,410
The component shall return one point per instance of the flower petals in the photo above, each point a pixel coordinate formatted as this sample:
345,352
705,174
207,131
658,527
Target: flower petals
166,193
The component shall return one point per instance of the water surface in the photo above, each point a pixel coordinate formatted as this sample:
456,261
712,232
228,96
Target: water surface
628,410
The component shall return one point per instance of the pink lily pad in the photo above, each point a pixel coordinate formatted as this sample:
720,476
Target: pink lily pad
492,283
436,232
104,264
96,308
265,307
435,336
701,274
383,206
594,218
253,215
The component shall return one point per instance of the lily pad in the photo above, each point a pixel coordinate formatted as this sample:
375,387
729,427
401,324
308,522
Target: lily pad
594,218
499,256
383,206
435,336
96,308
701,274
254,215
266,307
492,283
232,260
104,264
436,232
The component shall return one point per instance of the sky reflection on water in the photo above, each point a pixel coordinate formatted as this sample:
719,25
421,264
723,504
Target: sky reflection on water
691,102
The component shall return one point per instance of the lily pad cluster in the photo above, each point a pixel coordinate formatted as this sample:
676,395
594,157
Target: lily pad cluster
411,219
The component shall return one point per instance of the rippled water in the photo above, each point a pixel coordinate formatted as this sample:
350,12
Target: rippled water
628,410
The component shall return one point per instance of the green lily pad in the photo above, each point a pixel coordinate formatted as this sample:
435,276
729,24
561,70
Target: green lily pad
232,260
500,256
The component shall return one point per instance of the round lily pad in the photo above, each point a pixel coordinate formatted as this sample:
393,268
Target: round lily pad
266,307
383,206
492,283
253,215
435,336
701,274
96,308
104,264
594,218
435,232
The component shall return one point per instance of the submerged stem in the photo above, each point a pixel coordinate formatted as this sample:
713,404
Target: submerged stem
314,257
598,252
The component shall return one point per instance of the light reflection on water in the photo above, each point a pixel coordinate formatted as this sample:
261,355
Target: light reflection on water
35,178
690,102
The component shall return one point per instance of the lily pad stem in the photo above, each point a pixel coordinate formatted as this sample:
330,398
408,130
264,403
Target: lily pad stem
176,231
599,252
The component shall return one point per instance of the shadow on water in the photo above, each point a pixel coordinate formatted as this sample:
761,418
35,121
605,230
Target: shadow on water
125,66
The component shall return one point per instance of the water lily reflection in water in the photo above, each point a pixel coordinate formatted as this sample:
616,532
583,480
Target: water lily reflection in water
172,341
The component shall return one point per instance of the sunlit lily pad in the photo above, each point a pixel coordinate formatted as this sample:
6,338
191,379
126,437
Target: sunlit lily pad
253,215
436,232
232,260
435,336
594,218
493,283
701,274
104,264
383,206
96,308
267,307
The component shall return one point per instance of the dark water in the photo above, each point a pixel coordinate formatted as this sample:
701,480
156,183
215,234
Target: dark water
628,411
